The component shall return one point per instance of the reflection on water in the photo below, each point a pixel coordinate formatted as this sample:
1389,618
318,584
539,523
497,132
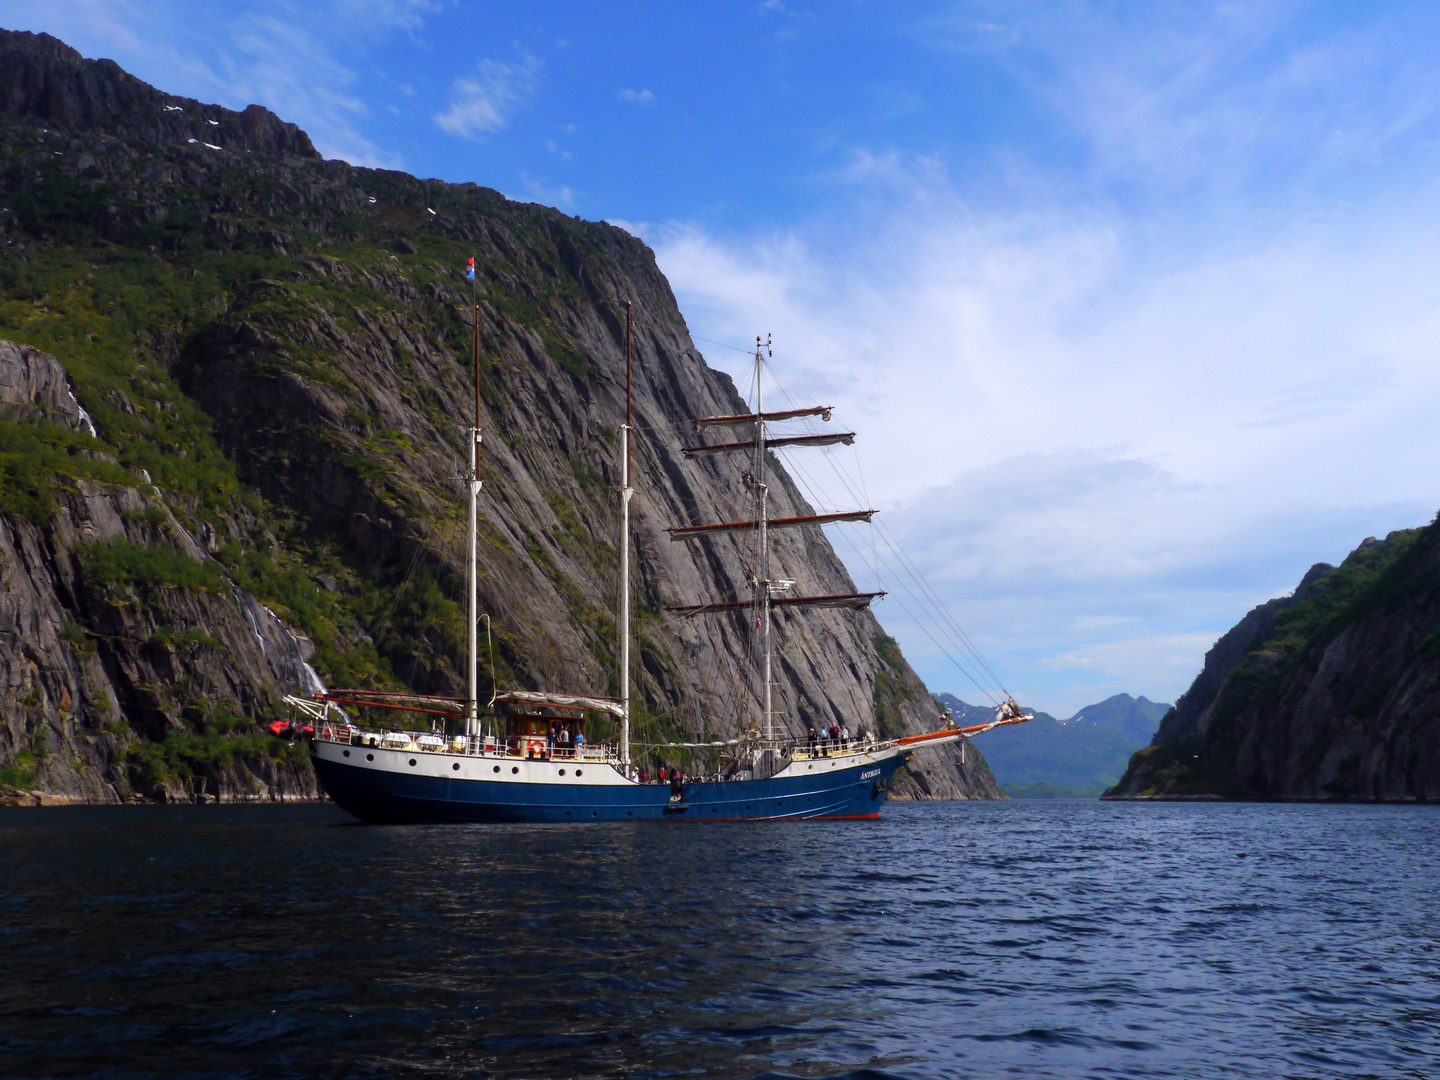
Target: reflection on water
1034,939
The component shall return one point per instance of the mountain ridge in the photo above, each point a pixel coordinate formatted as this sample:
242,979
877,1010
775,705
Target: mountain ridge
274,351
1076,757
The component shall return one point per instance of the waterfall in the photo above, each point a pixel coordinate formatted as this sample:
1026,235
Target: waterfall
84,417
286,654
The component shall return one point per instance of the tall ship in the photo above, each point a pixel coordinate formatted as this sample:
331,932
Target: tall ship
530,755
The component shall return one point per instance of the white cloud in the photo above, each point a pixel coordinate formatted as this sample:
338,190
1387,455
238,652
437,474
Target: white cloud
1070,413
483,103
636,97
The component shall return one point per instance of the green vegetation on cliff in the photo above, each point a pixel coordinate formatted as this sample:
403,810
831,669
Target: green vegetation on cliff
1293,700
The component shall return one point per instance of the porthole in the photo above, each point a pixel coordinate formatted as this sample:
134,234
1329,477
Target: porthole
562,772
592,813
412,761
456,766
629,813
345,752
578,772
497,768
369,757
567,813
514,768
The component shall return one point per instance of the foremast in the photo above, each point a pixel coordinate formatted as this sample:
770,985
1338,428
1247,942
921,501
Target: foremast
768,592
625,494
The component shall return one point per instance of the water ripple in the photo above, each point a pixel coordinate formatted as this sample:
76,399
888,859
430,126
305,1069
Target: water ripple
1043,940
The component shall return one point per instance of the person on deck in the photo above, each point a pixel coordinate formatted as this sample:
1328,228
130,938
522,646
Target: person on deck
579,741
844,736
811,740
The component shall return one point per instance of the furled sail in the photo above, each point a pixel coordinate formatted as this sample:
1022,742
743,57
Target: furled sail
822,411
691,532
562,701
853,601
846,437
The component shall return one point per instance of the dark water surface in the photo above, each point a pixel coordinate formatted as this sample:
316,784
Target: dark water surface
1034,939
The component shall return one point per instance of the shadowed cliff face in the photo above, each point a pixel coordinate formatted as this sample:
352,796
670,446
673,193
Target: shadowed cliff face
266,322
1331,693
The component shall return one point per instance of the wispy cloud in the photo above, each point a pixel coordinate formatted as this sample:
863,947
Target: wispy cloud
483,103
636,97
1212,98
562,197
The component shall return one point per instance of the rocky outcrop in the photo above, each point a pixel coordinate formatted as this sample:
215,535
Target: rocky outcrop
116,685
1330,693
295,384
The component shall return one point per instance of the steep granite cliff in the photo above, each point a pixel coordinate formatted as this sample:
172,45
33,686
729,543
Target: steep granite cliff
1330,693
274,351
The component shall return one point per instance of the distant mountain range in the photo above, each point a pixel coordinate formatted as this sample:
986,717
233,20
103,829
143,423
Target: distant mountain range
1079,757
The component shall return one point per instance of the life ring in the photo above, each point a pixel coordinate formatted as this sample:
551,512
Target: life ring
328,733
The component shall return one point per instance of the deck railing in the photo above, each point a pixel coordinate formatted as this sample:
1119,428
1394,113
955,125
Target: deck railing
536,748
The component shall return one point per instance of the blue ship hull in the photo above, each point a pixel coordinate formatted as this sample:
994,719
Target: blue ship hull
390,795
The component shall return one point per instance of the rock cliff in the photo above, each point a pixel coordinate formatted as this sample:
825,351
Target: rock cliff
1330,693
272,353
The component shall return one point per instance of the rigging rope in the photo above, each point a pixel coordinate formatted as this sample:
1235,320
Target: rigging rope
922,593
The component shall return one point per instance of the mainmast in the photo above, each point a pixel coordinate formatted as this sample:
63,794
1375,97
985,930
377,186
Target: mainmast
762,568
472,711
625,493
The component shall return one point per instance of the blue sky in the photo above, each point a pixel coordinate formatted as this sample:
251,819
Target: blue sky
1137,307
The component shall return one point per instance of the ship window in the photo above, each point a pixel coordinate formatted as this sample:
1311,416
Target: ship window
514,768
345,752
562,772
579,772
456,766
497,768
369,757
412,761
